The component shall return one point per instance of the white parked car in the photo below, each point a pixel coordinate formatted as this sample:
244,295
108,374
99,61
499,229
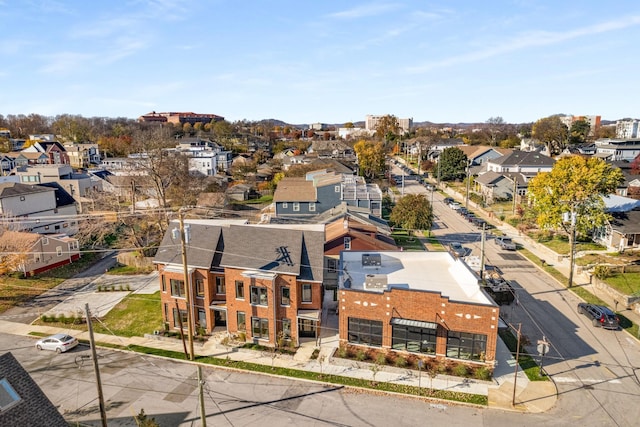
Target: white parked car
58,343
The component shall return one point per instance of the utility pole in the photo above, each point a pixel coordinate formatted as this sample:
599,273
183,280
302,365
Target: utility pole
133,196
515,378
515,193
184,239
203,413
482,241
572,242
466,205
96,368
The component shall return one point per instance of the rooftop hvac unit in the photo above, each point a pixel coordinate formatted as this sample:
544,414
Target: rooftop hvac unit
371,260
375,282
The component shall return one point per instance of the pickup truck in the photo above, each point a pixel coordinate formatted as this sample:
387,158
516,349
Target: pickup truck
506,243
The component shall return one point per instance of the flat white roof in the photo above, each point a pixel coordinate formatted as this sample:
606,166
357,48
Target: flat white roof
420,271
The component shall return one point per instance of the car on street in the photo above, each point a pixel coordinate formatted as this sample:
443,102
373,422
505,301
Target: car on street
600,316
457,249
505,243
58,343
455,205
447,200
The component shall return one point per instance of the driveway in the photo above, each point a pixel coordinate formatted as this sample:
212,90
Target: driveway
71,296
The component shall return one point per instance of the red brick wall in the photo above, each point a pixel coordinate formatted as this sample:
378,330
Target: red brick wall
422,306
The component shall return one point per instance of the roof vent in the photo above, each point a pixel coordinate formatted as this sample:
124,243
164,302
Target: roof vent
376,282
371,260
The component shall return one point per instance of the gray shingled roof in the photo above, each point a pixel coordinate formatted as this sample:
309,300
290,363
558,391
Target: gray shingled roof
524,158
34,408
297,252
8,189
200,250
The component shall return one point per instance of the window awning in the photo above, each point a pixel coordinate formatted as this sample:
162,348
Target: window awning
414,323
309,315
176,269
218,305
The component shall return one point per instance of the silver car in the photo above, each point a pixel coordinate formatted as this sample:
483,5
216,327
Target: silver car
457,249
58,343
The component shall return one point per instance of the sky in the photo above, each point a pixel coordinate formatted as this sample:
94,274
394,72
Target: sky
329,61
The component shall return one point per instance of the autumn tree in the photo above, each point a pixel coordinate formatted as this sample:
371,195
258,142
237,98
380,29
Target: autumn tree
570,197
412,212
371,158
14,246
452,164
579,131
495,127
552,132
72,128
388,128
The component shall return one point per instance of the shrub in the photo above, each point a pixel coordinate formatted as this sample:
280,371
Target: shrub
381,359
602,272
361,355
342,352
461,370
483,373
401,362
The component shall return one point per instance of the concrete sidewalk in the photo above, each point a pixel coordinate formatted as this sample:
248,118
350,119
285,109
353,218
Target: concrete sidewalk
529,396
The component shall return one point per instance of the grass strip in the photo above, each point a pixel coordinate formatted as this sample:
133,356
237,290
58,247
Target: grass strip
525,360
476,399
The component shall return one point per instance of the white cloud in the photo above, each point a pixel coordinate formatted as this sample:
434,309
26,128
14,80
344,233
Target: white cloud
64,62
526,40
372,9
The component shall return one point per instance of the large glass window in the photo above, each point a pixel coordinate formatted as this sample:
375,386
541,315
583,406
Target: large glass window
285,296
414,339
259,296
464,345
221,288
200,288
307,295
365,331
177,288
239,289
177,317
242,321
286,329
260,328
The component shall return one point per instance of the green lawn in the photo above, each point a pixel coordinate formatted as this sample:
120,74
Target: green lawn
627,283
406,241
135,315
16,289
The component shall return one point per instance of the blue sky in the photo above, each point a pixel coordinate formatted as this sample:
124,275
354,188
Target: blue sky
305,61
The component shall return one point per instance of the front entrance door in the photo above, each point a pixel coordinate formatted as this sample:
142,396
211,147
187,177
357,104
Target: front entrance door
306,328
219,318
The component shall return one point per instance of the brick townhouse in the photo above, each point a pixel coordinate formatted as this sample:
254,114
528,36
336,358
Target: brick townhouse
421,302
263,281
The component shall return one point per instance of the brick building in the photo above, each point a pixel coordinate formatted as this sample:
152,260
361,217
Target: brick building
263,281
422,302
179,118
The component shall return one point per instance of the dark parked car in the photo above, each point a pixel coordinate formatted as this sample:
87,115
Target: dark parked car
447,200
600,316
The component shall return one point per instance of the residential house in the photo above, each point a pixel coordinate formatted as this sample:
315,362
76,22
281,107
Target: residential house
617,149
332,150
322,190
43,209
42,252
22,402
261,282
25,158
205,157
7,163
55,151
387,301
622,231
479,154
529,163
76,184
83,156
495,187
